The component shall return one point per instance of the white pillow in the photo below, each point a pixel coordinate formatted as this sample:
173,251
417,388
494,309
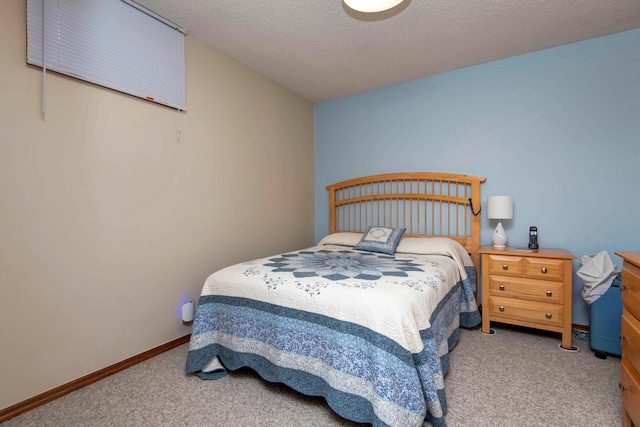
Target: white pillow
432,245
407,245
341,239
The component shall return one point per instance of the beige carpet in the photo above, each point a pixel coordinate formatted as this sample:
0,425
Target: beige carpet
514,378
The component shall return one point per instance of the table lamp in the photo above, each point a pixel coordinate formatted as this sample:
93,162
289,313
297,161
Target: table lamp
499,207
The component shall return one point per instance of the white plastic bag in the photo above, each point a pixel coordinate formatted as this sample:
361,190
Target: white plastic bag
597,274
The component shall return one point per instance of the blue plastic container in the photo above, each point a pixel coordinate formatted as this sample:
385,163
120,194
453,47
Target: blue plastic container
605,318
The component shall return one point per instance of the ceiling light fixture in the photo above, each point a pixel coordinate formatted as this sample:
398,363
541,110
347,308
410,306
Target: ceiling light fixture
371,6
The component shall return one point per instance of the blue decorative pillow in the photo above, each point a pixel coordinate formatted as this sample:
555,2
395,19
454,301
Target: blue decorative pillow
380,239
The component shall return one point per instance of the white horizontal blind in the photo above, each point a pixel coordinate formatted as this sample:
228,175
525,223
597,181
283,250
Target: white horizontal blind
112,43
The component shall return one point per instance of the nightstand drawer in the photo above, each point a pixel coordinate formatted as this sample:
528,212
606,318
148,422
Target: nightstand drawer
630,336
534,290
526,311
506,265
533,268
546,269
630,389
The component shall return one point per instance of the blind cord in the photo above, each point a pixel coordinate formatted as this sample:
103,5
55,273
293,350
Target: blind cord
44,58
177,86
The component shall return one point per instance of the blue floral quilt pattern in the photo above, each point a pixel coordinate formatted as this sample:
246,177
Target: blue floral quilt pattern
342,264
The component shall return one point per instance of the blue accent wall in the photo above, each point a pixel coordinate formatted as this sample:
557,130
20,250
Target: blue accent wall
558,129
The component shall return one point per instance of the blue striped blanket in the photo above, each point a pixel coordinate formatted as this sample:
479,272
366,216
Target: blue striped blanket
369,332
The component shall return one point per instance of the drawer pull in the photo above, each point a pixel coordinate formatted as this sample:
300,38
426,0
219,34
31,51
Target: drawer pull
544,270
623,288
505,267
621,387
549,315
549,293
501,308
623,339
502,287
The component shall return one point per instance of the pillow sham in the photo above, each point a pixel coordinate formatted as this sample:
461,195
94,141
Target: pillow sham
380,239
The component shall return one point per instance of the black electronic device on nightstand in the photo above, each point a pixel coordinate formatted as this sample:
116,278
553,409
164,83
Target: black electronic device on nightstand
533,237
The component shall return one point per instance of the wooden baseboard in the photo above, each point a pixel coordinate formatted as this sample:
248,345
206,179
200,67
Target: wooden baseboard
74,385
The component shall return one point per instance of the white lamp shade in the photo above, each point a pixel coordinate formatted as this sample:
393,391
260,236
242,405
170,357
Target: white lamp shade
500,207
371,6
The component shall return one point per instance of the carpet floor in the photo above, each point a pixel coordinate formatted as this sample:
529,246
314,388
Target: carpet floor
516,377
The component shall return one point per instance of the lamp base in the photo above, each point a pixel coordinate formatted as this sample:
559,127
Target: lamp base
499,237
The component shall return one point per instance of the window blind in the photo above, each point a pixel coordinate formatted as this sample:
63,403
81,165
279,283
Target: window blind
113,43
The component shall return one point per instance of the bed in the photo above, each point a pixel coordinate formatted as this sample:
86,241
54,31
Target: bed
368,316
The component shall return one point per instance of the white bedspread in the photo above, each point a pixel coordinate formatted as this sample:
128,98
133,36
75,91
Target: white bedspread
303,310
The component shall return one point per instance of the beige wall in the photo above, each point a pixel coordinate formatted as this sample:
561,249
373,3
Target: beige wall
108,222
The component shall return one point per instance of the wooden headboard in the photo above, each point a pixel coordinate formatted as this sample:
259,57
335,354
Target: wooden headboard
427,204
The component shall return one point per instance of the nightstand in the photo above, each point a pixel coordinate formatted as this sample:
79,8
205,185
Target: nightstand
531,288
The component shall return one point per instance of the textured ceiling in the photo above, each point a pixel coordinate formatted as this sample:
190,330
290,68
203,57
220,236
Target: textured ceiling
322,50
